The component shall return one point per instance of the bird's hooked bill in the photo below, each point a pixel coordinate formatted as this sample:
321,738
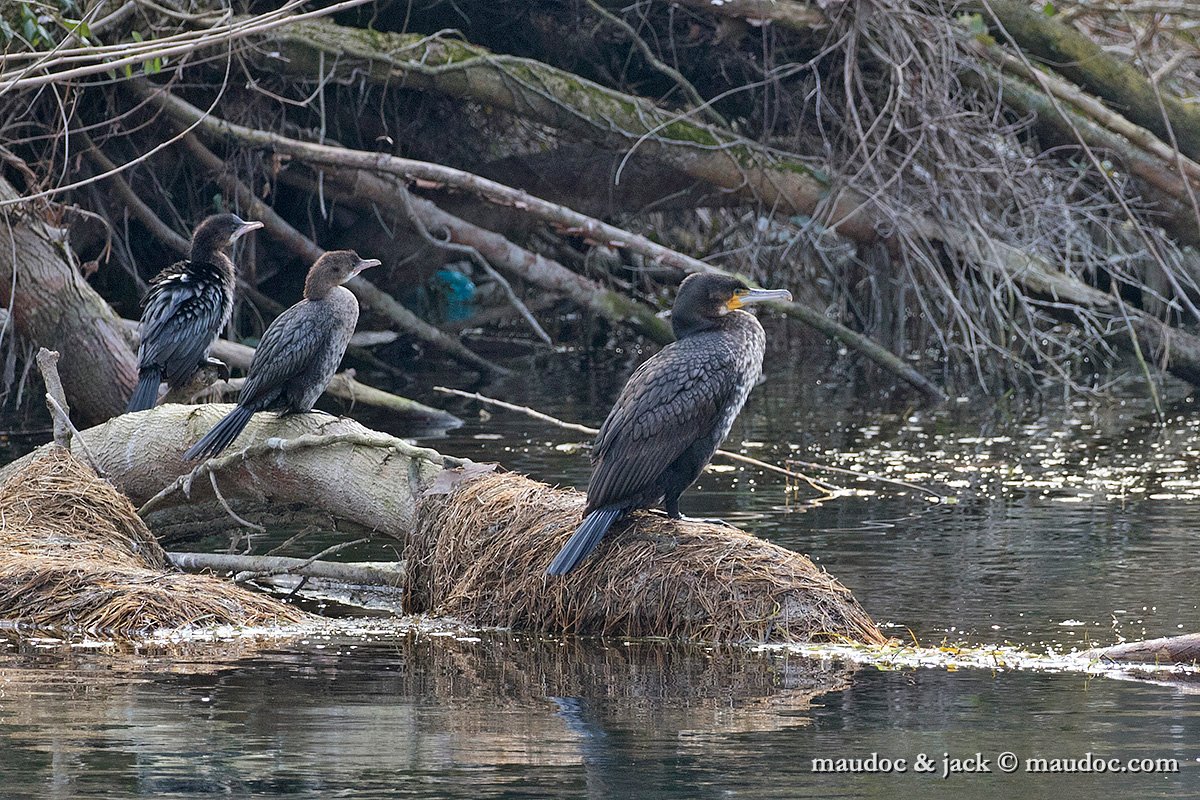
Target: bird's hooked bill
245,228
365,263
758,295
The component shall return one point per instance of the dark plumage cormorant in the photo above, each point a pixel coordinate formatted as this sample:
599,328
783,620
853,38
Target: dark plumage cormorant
675,409
298,353
187,305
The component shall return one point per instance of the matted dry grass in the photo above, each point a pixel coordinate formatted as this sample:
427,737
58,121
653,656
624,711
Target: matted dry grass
481,553
74,555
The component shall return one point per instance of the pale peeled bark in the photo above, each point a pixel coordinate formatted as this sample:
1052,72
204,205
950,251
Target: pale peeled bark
350,476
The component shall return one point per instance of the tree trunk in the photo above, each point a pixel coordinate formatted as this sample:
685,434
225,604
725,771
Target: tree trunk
54,307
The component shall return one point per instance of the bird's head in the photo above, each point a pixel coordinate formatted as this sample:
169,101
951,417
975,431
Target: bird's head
333,269
218,233
705,297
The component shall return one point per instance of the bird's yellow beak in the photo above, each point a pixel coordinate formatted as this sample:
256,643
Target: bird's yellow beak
744,297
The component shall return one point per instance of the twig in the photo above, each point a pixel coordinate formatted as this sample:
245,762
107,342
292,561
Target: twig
212,479
186,43
699,103
575,426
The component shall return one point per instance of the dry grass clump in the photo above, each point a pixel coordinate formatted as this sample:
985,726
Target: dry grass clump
481,553
75,555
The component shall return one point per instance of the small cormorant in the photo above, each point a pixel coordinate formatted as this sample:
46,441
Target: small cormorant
187,305
675,409
299,351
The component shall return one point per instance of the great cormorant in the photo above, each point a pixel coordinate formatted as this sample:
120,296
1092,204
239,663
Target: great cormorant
187,305
675,409
298,353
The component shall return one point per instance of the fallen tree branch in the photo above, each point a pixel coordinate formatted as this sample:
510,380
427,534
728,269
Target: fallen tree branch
343,386
569,102
574,222
1084,62
365,189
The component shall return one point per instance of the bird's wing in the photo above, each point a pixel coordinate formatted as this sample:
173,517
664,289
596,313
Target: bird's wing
673,399
287,347
180,317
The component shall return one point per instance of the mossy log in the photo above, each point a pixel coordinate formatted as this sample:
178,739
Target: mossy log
568,102
476,541
53,306
1083,61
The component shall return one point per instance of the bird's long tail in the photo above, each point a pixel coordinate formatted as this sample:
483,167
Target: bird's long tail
584,540
221,435
146,393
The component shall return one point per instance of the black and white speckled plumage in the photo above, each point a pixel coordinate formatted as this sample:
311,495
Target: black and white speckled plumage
187,305
298,353
185,309
674,411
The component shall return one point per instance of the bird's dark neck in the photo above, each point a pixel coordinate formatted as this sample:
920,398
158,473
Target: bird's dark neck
690,325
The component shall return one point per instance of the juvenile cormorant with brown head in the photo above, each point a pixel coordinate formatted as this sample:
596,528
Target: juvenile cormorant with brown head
187,305
675,409
299,351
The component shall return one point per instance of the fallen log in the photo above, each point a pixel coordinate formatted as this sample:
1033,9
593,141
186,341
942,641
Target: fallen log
475,541
1183,649
1084,62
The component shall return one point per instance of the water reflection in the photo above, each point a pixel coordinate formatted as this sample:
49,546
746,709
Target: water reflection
398,707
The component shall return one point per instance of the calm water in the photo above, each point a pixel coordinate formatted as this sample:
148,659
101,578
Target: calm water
1066,525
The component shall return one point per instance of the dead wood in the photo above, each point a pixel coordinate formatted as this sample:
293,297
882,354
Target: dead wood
370,295
572,221
53,306
344,386
1183,649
